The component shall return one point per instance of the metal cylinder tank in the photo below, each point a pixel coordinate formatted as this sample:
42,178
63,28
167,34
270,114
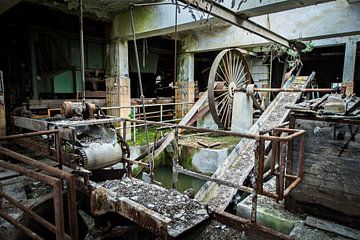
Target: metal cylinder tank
100,155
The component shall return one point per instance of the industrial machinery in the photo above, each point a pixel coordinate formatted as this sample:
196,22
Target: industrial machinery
230,73
88,138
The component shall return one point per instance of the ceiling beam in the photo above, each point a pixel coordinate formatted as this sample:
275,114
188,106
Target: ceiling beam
353,1
231,17
258,8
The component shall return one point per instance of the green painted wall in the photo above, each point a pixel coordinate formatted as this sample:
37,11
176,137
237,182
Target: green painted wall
58,61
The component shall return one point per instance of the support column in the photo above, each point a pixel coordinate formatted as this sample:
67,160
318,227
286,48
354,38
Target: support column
242,113
118,92
185,86
34,80
349,67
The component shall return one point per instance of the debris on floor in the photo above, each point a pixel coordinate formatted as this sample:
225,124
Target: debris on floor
330,105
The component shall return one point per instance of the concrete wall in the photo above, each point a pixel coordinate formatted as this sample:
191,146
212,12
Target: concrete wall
326,20
332,19
335,22
152,21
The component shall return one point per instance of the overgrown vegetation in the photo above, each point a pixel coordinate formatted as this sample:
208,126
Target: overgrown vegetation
292,57
141,136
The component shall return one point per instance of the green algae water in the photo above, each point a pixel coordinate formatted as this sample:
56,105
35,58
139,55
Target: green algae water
163,174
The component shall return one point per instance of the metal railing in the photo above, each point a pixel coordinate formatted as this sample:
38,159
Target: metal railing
280,139
51,176
165,114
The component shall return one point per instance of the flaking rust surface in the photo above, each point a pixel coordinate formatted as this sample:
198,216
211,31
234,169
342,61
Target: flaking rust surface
183,211
242,166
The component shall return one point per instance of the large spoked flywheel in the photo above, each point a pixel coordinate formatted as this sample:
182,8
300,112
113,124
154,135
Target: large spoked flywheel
228,72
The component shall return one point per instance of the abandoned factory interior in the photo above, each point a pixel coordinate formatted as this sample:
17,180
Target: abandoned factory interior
179,119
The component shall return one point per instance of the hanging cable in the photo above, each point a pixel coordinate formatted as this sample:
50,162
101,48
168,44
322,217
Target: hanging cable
82,50
151,160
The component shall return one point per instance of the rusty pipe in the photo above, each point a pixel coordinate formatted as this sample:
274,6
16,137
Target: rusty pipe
27,135
293,90
136,162
29,173
255,89
59,211
303,90
292,186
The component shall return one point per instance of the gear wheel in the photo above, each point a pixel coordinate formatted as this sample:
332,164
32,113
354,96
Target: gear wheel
83,157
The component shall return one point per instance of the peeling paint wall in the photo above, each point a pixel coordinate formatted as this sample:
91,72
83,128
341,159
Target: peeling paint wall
315,22
155,21
312,22
335,20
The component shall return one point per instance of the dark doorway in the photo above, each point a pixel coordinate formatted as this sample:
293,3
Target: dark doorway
203,62
156,59
327,62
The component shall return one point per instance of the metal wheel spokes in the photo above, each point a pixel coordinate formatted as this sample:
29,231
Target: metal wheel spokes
230,71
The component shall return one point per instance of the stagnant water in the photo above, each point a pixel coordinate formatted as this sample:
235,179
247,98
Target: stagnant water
163,174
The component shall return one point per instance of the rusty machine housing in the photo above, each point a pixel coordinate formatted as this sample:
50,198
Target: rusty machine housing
88,138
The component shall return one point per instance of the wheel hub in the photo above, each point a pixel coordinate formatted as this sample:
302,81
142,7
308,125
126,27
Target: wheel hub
232,87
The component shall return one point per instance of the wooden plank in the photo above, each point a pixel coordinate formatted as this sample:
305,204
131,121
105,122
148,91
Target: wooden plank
332,227
316,104
237,166
198,115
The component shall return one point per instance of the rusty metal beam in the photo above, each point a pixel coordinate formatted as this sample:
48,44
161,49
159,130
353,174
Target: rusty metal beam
70,178
58,197
32,214
256,231
258,8
21,227
27,135
43,148
231,17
